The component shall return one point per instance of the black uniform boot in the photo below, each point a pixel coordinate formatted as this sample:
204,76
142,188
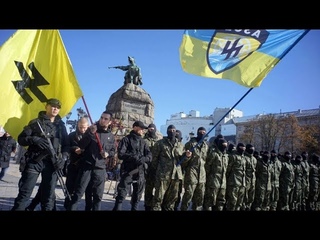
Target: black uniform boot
117,206
134,206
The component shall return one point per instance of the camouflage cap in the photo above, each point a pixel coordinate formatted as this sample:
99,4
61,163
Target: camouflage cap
54,102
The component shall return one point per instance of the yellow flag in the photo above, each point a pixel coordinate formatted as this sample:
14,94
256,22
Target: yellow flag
34,66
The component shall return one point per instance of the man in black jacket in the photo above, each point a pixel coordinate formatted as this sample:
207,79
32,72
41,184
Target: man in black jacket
98,143
39,158
135,155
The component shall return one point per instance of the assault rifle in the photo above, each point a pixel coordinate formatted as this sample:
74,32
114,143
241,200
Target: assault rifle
54,160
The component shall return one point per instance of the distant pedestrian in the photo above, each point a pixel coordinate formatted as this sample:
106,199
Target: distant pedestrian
7,146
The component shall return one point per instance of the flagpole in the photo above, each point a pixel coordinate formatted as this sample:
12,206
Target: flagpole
96,134
202,139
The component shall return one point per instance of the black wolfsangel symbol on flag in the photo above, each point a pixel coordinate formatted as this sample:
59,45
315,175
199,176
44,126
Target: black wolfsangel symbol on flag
28,82
228,48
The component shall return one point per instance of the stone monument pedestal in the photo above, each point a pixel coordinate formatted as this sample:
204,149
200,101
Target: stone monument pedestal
128,104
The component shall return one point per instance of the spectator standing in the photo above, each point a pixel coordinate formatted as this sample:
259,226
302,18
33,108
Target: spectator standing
7,146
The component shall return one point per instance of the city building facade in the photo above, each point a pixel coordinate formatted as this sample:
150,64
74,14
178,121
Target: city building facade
228,122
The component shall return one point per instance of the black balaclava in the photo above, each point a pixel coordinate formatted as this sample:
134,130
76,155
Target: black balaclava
222,145
241,148
171,134
256,154
249,149
179,135
273,155
200,135
217,138
266,156
151,132
304,155
231,147
298,159
315,158
287,156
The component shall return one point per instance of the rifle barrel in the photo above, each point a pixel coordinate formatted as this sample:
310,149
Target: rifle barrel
58,172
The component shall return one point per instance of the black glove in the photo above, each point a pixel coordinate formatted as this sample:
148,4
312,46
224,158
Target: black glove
134,158
141,161
65,156
40,142
59,164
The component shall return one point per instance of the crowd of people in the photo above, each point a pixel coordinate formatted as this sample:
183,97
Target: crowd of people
172,176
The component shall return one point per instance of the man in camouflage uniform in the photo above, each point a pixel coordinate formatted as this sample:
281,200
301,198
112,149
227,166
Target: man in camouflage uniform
194,172
166,156
216,167
250,177
275,174
286,183
305,180
236,181
297,189
314,182
263,183
151,138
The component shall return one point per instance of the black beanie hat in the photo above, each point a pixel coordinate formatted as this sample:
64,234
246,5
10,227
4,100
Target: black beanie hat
171,127
151,125
249,146
240,145
201,128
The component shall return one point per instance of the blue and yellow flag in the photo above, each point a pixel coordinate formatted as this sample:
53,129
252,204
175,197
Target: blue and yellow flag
244,56
34,66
